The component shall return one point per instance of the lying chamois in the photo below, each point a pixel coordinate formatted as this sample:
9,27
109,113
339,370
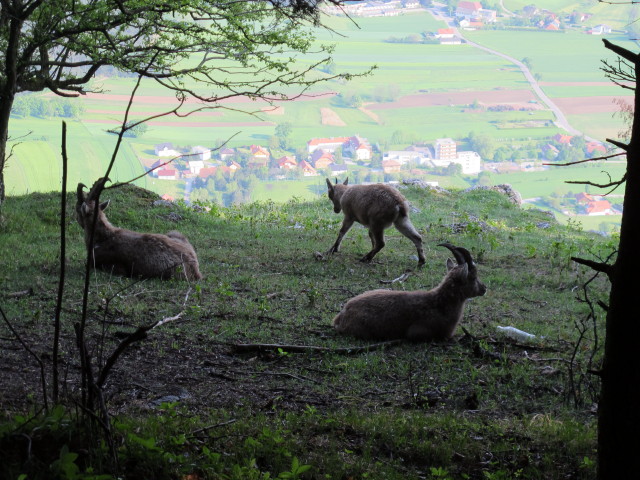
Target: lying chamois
416,316
376,207
124,252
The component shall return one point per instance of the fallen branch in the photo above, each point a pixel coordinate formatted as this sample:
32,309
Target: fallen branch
262,347
22,293
138,335
401,278
290,375
209,427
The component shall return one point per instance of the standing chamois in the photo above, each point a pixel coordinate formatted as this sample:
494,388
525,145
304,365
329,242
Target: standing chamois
417,316
377,207
124,252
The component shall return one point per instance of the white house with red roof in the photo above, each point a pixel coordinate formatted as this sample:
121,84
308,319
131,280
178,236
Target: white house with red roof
391,166
259,157
444,33
599,207
468,10
321,159
259,152
233,165
326,144
307,169
595,147
564,139
470,24
358,147
167,174
287,162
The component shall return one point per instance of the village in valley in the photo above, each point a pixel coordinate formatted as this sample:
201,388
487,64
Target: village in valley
227,175
467,133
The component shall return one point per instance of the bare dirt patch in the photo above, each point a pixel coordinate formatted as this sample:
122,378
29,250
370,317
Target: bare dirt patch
578,84
329,117
273,110
160,123
583,105
372,115
150,113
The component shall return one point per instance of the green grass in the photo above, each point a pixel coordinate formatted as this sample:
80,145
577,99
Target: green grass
532,184
549,52
408,412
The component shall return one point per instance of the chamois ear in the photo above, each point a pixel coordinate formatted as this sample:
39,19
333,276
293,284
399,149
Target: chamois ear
104,205
329,184
346,181
450,264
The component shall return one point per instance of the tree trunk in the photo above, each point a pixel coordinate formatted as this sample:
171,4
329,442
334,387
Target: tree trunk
619,406
8,93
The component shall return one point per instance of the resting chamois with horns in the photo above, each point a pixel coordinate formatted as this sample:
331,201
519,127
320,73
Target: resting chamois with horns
124,252
377,207
416,316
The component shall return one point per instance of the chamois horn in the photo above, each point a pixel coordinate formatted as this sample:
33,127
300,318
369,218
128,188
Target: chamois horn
456,251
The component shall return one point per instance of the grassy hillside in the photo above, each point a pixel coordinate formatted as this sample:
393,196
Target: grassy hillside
190,404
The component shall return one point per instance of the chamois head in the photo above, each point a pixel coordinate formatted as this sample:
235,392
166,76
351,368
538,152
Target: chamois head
464,275
85,204
335,193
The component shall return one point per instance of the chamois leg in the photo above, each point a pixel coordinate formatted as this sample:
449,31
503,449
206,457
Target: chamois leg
377,242
406,228
346,225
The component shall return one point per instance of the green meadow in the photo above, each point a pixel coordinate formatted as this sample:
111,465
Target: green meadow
558,57
553,180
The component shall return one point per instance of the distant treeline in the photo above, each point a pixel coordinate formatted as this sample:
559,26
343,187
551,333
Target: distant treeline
44,107
413,38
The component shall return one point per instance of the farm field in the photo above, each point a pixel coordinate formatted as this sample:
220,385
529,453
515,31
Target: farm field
544,183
